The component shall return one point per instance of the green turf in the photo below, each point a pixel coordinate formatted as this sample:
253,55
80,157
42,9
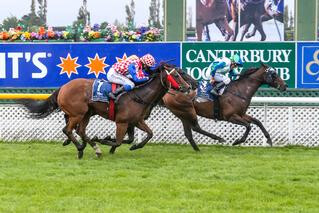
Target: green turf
46,177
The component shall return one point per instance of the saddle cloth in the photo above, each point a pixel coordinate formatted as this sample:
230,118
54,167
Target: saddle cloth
203,91
100,91
204,94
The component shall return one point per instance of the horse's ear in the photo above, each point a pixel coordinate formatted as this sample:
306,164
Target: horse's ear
264,65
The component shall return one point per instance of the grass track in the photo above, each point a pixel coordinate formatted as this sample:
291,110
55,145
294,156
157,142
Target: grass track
46,177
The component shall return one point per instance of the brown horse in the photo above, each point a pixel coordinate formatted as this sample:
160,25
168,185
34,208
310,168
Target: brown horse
213,11
74,99
233,105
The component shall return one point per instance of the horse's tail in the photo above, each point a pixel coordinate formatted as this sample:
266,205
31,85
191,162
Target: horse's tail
41,109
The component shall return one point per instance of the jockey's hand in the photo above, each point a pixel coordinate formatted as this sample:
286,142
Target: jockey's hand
212,80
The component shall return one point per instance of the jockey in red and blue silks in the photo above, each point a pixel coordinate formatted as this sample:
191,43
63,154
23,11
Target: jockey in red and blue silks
134,67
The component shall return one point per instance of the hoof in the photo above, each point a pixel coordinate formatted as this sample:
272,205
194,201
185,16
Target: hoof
95,138
80,154
197,149
248,35
134,147
108,138
66,142
112,150
221,140
269,141
98,154
237,142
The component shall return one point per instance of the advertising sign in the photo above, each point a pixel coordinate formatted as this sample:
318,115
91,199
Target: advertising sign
52,65
196,57
308,65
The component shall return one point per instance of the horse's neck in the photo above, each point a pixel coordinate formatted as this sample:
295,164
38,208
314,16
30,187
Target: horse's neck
151,92
251,85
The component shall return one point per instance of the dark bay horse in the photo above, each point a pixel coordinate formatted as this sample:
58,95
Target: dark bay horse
233,105
213,11
267,16
74,99
254,13
237,97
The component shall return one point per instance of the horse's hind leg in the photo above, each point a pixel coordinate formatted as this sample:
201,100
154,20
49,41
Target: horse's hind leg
120,134
72,123
67,141
260,29
261,126
81,130
198,129
246,27
236,119
143,126
252,33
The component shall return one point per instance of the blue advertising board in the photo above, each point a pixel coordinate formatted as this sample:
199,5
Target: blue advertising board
308,65
52,65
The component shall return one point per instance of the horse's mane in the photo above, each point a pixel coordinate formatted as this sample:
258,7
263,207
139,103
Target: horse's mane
248,72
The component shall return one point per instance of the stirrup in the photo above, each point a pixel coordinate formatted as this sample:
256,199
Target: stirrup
214,92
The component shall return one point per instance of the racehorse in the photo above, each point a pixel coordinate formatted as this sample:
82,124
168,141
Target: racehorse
209,12
267,16
233,104
181,104
74,99
255,13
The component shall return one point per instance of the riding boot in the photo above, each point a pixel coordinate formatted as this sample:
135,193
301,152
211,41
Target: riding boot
116,92
215,90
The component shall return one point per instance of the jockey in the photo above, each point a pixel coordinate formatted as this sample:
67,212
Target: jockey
222,66
272,8
133,66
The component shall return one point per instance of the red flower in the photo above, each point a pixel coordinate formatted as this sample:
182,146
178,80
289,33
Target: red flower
18,28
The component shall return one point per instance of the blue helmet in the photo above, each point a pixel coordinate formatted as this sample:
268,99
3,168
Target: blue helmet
237,60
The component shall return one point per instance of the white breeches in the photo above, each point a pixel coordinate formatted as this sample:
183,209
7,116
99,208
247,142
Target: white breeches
117,78
222,78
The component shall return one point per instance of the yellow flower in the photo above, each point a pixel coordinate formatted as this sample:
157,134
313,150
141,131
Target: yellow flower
65,34
91,34
27,35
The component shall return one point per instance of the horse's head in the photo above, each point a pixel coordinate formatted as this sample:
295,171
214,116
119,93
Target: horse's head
272,78
171,77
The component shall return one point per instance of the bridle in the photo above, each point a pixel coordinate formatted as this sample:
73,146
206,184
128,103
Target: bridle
140,100
168,88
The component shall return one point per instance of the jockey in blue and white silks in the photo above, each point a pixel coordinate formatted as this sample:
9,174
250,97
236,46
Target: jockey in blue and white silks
219,72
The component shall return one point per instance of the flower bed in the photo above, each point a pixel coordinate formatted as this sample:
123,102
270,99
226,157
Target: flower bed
109,34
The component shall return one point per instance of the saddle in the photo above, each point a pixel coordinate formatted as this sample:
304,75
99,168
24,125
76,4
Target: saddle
204,94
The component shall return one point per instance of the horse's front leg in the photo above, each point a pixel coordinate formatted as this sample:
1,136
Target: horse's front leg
143,126
108,139
236,119
120,134
199,31
261,126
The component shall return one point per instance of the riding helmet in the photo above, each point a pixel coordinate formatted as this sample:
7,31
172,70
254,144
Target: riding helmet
148,60
236,58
